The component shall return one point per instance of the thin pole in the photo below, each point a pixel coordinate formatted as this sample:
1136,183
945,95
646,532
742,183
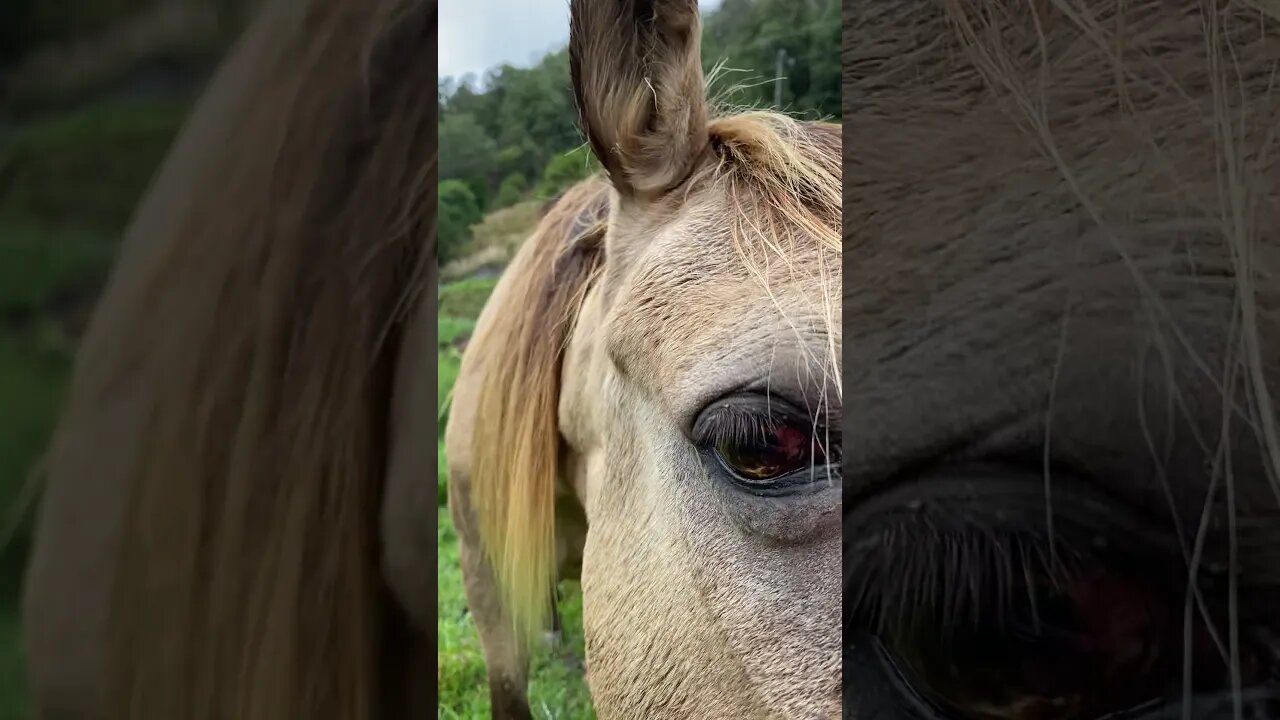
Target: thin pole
777,78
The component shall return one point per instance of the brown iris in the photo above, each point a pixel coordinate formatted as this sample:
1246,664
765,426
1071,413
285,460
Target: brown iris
776,451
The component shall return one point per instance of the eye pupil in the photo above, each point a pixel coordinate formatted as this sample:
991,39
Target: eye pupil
775,452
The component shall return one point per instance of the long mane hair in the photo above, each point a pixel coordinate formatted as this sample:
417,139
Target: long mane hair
258,300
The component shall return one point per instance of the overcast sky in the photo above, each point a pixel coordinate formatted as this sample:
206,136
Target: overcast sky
476,35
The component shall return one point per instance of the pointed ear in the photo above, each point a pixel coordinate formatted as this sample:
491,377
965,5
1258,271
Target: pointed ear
637,78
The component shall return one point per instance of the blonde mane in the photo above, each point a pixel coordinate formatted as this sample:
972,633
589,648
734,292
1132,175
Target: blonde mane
516,440
783,181
254,315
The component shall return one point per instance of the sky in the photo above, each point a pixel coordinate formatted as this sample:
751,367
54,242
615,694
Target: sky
476,35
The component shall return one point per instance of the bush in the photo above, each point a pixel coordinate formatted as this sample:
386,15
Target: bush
468,154
511,191
507,228
459,210
512,159
566,169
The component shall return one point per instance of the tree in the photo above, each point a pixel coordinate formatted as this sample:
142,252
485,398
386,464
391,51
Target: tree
458,211
523,121
511,191
468,154
566,169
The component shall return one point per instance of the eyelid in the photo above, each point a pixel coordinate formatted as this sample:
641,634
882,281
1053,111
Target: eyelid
734,415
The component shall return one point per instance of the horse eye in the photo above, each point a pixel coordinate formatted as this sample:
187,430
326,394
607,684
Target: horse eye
775,451
1096,645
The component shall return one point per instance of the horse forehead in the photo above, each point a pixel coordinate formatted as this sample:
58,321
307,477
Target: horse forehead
683,295
694,315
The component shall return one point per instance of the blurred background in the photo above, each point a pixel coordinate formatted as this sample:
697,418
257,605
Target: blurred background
508,144
91,94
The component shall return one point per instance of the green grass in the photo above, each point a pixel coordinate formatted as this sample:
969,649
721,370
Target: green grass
451,329
557,688
464,299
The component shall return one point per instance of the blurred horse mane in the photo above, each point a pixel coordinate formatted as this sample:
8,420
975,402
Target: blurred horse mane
256,309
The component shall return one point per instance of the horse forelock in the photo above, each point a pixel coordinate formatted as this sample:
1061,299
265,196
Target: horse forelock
782,181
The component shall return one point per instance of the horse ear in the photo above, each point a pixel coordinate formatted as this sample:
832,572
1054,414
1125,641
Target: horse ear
637,78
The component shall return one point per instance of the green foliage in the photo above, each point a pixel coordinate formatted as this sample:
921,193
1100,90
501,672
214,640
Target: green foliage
460,304
34,368
511,190
87,168
527,117
557,689
466,298
470,155
747,35
442,470
448,362
522,122
45,276
451,330
42,275
566,169
507,228
514,156
458,211
39,268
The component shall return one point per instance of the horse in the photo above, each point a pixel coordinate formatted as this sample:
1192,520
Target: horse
1061,284
220,532
651,399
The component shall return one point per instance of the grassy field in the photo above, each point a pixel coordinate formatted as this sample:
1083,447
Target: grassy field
557,689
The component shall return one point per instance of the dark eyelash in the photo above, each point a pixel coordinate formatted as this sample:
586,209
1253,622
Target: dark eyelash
964,576
733,423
